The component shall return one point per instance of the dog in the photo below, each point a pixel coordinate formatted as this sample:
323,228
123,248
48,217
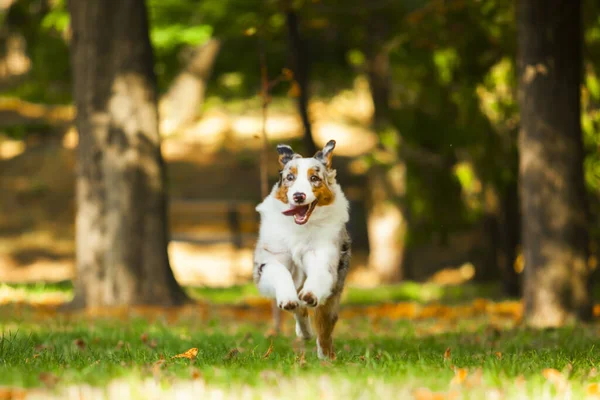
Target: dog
303,251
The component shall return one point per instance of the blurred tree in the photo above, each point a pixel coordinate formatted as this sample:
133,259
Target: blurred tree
553,198
300,67
387,219
121,227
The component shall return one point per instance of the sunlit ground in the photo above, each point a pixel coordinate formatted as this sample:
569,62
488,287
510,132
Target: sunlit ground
407,341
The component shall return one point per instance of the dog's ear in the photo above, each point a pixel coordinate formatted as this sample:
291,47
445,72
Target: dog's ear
286,154
326,154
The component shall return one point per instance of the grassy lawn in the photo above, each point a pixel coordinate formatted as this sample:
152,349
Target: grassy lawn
382,352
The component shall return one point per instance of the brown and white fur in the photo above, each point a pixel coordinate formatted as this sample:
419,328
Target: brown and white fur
303,251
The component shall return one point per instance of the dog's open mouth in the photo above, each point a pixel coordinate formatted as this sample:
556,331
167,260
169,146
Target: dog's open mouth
301,213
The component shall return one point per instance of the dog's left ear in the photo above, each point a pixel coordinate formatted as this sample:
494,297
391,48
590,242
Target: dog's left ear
286,154
326,154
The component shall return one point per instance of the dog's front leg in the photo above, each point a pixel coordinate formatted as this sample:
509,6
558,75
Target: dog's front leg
274,280
321,275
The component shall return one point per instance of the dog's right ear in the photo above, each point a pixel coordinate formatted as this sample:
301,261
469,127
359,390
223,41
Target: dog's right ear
286,154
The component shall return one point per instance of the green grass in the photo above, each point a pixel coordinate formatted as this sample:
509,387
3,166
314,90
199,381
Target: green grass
393,357
376,357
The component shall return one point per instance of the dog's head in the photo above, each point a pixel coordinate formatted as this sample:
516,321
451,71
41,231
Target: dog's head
305,183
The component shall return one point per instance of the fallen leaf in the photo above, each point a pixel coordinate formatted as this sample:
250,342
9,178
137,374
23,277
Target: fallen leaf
153,343
144,337
12,394
80,343
269,350
447,354
460,375
301,360
119,345
232,354
48,379
190,354
593,373
196,374
556,378
156,367
498,355
593,389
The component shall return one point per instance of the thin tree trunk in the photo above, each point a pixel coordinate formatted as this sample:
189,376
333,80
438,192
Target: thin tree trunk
386,217
553,198
509,225
121,221
181,104
301,69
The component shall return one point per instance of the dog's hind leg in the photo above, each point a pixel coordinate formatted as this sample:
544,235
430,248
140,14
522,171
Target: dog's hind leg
274,280
303,329
326,316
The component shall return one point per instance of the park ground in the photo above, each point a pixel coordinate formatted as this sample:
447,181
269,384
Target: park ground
408,341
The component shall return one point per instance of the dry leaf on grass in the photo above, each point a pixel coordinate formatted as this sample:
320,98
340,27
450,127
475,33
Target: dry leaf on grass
144,337
232,354
498,355
460,375
156,367
593,389
556,378
269,351
48,379
447,354
301,360
80,343
12,394
190,354
195,374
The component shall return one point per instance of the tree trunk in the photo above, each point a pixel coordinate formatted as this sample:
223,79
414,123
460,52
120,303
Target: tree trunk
509,222
386,217
121,221
181,104
553,198
300,69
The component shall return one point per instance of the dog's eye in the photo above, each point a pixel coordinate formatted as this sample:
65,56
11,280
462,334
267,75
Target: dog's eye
290,177
315,178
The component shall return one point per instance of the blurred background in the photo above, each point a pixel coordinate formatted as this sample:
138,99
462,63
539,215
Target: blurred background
420,95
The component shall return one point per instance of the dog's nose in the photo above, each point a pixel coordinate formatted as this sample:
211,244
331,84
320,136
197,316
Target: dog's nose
299,197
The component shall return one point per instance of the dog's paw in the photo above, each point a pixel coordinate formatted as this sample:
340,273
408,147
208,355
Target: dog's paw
288,305
309,298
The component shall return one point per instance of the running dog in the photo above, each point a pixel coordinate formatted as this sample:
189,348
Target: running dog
303,251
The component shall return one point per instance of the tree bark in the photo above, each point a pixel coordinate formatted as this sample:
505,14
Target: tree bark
121,220
300,68
181,104
386,216
553,198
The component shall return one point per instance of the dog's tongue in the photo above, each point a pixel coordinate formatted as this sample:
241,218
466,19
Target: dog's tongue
296,210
